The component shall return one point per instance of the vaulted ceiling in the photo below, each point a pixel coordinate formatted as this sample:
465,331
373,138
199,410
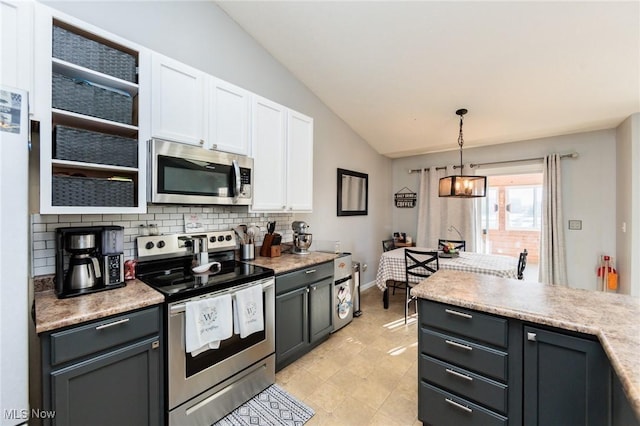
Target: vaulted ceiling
397,71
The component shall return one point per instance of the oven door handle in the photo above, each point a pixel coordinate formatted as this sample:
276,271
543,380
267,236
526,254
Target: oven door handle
180,307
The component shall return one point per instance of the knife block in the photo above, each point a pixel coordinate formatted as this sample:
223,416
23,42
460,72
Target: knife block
265,250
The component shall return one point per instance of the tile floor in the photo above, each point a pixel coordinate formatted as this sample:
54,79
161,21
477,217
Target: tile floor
365,373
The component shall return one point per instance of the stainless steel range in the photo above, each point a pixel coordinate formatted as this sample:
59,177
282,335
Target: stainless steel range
202,389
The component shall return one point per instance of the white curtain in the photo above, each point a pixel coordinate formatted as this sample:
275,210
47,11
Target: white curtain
553,268
440,217
422,239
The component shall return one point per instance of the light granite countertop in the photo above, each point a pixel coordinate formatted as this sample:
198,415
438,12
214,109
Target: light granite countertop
288,262
53,313
613,318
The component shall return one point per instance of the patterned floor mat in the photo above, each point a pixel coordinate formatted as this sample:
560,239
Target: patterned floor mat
271,407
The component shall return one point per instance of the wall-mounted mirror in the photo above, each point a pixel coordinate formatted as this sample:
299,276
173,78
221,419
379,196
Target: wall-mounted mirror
353,193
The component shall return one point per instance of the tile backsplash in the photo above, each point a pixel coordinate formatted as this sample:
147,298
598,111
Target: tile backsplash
169,219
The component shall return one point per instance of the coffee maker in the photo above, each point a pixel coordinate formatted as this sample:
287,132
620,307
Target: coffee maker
301,238
93,257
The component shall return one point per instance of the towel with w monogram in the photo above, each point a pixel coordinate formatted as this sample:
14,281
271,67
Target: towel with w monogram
247,311
207,322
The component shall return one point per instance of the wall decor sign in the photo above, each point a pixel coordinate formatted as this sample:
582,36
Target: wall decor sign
405,198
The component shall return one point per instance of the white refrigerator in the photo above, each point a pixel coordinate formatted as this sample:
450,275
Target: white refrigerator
14,256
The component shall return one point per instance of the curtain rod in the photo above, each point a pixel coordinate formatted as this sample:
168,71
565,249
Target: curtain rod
472,165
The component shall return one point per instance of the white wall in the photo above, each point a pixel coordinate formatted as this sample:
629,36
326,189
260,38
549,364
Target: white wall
628,208
200,34
588,187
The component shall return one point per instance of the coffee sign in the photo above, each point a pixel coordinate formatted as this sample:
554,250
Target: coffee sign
405,198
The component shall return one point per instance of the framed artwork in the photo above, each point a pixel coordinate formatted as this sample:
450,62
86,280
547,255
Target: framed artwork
353,193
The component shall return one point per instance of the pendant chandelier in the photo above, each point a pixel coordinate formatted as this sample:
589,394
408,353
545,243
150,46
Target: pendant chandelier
462,186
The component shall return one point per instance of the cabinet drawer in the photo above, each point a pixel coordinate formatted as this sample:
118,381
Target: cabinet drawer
438,407
466,322
94,337
481,359
480,389
297,279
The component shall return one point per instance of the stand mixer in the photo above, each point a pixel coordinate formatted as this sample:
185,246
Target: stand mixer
301,238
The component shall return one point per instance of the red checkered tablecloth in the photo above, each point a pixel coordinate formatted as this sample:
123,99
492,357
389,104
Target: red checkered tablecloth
391,266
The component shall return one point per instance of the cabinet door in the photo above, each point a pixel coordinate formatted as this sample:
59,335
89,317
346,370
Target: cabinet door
566,380
268,141
229,113
299,162
292,326
178,99
122,387
320,310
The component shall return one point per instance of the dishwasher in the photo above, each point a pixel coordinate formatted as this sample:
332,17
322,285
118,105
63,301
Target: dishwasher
343,291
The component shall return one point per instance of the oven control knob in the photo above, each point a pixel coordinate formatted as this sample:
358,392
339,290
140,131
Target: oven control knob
212,239
228,237
220,238
161,244
149,245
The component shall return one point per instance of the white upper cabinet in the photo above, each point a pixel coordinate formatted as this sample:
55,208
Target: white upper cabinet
178,101
190,106
268,149
282,148
229,117
299,162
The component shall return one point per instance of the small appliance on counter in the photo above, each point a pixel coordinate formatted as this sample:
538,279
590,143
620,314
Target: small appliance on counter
96,260
301,238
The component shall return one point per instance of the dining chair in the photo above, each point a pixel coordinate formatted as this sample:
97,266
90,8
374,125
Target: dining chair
522,263
457,244
388,245
421,264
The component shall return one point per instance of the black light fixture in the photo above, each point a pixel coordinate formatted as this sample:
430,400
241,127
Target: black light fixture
462,186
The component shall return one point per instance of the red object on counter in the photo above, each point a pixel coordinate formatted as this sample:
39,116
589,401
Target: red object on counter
130,269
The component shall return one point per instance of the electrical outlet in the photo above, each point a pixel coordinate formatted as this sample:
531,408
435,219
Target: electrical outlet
575,225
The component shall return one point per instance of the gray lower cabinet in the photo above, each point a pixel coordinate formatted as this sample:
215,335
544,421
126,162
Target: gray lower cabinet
621,412
303,311
466,373
481,369
566,379
107,372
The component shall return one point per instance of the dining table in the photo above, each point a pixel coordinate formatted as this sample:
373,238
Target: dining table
392,266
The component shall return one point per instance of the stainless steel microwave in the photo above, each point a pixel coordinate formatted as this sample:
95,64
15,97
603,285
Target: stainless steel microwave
187,174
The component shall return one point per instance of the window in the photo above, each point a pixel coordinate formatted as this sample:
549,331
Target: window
523,207
511,214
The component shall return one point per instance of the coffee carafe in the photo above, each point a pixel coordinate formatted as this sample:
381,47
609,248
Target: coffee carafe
84,266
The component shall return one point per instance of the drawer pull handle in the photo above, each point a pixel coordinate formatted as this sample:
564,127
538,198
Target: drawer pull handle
459,314
310,271
111,324
531,336
457,405
458,345
462,376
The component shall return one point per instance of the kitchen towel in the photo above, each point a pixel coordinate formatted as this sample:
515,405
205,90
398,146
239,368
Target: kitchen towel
207,322
247,311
